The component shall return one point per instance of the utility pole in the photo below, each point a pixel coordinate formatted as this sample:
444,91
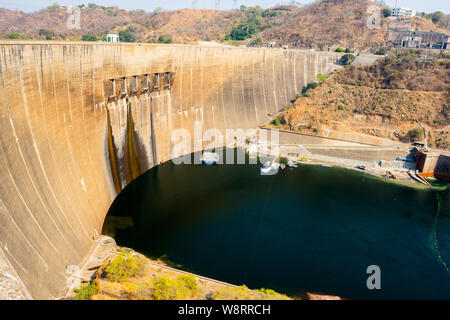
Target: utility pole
194,4
235,6
217,5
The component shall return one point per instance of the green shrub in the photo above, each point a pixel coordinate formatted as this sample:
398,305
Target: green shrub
309,86
14,35
54,6
339,49
243,31
86,292
128,35
341,107
416,134
182,287
381,51
190,283
123,267
347,59
47,34
272,294
232,293
321,77
88,37
164,39
306,95
275,122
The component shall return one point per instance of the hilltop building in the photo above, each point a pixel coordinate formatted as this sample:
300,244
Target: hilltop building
403,12
418,39
112,38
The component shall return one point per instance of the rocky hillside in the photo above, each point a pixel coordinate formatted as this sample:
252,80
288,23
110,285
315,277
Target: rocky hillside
395,98
318,25
16,24
192,25
410,70
185,25
329,23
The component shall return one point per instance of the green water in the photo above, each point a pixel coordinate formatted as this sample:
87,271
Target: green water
312,229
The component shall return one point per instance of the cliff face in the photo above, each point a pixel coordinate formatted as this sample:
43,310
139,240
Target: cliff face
67,147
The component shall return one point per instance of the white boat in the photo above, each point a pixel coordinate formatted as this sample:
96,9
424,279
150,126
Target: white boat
209,158
270,168
291,164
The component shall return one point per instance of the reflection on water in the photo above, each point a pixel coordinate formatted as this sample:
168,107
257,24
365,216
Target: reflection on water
306,229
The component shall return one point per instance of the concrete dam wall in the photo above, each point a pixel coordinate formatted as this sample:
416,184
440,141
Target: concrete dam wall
80,121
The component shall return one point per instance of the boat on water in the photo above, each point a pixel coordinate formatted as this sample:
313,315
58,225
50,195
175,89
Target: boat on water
291,164
270,168
361,167
327,166
210,158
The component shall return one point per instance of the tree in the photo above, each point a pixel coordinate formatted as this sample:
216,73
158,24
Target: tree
158,9
48,34
129,35
437,16
339,49
347,59
381,51
14,35
321,77
88,37
387,12
243,31
164,39
243,8
54,6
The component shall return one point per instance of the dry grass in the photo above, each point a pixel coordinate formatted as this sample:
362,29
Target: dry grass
153,282
329,23
356,100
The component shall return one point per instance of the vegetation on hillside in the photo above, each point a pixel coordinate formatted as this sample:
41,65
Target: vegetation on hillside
318,25
131,276
256,19
408,69
328,23
395,98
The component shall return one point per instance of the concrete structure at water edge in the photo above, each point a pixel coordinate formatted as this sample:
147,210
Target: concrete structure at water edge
433,165
79,121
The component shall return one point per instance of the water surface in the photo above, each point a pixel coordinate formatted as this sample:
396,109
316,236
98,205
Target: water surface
312,229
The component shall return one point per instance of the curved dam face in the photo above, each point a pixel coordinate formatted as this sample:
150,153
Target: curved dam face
80,121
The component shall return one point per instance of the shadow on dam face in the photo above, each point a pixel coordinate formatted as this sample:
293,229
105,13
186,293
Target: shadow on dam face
80,121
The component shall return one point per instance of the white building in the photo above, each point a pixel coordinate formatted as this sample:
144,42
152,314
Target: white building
112,38
403,12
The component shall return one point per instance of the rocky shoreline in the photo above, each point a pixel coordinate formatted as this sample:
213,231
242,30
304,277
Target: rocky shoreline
10,287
